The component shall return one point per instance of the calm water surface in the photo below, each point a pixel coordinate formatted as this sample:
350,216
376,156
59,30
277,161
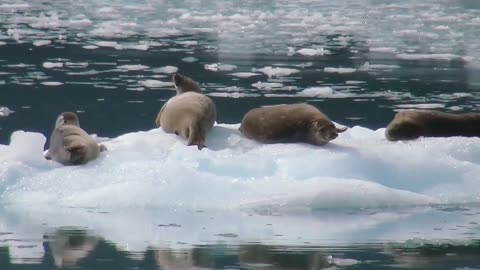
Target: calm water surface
358,61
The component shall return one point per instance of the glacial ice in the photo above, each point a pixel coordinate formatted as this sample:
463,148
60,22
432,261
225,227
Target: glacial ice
155,169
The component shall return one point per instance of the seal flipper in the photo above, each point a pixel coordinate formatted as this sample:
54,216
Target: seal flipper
47,155
102,148
77,153
196,137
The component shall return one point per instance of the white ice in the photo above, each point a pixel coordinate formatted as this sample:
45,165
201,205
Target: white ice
276,71
155,83
339,70
41,42
219,67
166,69
5,111
152,168
52,64
52,83
133,67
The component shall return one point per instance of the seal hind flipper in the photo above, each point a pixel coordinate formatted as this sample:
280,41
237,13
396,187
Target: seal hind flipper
77,153
102,148
196,136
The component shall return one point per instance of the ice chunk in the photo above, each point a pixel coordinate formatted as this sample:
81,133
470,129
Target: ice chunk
155,83
52,65
276,71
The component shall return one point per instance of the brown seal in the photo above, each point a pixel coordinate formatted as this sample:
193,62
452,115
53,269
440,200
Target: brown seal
70,144
412,124
293,123
190,113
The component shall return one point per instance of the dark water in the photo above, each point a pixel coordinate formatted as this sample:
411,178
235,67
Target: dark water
112,99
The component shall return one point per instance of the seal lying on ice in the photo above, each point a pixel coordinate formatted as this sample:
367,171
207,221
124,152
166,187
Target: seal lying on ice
70,144
292,123
411,124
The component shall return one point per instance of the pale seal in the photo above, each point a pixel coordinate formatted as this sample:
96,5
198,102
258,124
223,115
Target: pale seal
190,113
292,123
412,124
70,144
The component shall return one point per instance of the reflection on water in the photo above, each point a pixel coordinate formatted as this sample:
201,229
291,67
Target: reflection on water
437,238
75,248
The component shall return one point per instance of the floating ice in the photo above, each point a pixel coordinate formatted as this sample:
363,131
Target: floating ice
52,65
5,111
52,83
110,44
155,83
339,70
276,71
219,67
166,69
266,85
90,47
2,43
41,42
312,52
244,74
187,42
383,49
140,47
133,67
368,67
77,65
317,92
422,106
189,59
418,56
152,168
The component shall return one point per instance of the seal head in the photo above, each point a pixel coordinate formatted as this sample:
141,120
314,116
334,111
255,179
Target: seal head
184,84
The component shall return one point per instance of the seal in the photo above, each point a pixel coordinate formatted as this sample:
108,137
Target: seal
412,124
70,144
190,113
291,123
